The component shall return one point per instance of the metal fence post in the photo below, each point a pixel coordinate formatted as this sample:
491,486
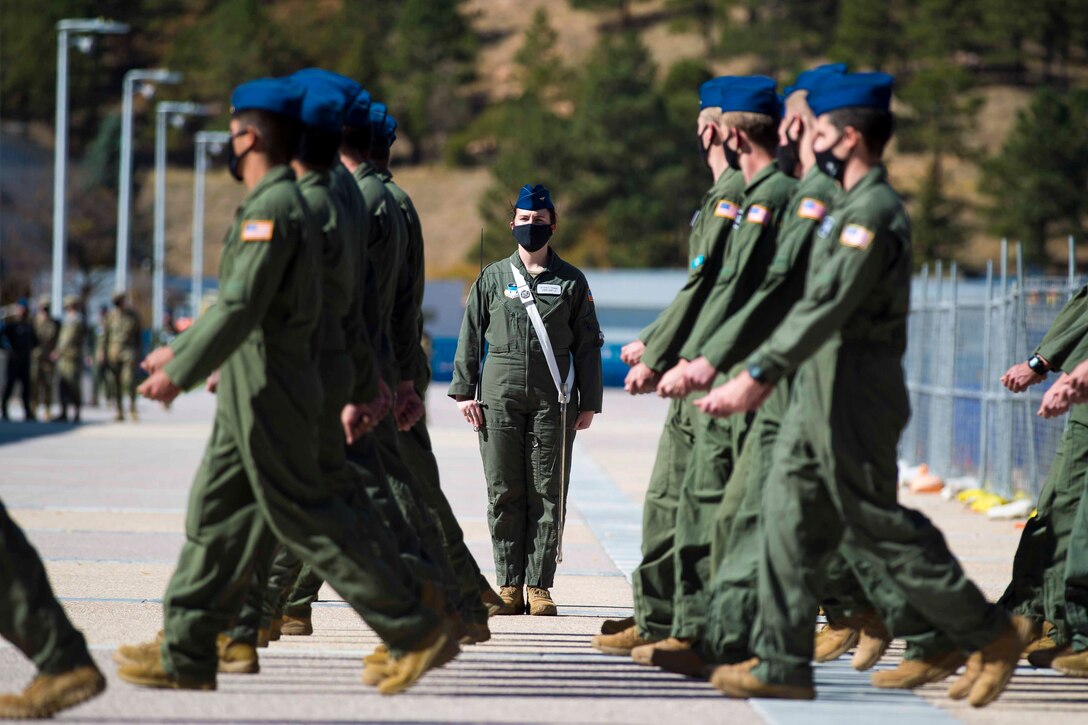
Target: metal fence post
984,383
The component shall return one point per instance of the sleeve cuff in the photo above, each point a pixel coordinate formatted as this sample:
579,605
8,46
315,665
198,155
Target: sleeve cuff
771,371
461,389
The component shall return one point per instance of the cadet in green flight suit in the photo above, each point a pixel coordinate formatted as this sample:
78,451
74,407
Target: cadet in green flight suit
121,352
751,113
656,351
260,477
42,365
69,359
518,415
833,472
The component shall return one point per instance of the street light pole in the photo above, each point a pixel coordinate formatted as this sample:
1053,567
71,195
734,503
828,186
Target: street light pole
124,191
204,140
158,277
82,30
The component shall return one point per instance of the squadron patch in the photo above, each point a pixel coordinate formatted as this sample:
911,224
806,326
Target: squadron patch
726,209
257,230
825,227
511,291
757,214
811,209
856,236
698,261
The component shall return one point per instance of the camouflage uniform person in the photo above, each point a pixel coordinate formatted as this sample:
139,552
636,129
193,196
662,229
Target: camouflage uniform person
42,367
69,359
121,352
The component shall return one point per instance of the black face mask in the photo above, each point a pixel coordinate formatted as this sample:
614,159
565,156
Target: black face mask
704,150
828,163
234,159
788,157
732,158
532,237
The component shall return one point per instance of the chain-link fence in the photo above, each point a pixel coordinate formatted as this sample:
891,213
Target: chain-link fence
963,335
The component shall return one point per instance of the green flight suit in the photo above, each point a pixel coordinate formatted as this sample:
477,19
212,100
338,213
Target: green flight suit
654,580
121,340
415,444
1074,629
521,439
1037,587
31,618
718,442
42,368
833,474
259,479
70,344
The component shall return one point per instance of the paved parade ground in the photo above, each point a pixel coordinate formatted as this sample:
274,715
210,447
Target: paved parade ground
104,503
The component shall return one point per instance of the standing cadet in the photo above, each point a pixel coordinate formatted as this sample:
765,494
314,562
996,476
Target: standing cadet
19,341
541,382
833,472
121,352
656,351
33,620
751,111
69,359
42,367
99,371
260,477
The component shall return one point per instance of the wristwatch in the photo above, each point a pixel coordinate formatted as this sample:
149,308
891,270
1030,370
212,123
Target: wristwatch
757,372
1038,365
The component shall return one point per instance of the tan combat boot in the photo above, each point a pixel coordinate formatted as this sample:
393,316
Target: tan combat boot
643,654
620,643
1039,644
682,662
615,626
873,641
513,601
1044,658
47,695
540,602
236,657
275,629
1073,664
835,639
438,649
296,626
150,673
998,662
738,681
492,601
130,654
910,674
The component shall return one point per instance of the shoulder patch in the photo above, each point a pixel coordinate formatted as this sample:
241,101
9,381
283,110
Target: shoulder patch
726,209
811,209
589,294
257,230
698,261
758,214
825,227
856,236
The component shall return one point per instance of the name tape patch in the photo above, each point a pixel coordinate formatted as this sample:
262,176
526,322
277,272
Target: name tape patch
549,289
726,209
856,236
811,209
257,230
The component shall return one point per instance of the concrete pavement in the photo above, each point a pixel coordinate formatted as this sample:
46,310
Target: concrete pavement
104,503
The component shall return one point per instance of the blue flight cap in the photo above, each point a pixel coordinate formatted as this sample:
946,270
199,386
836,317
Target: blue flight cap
323,108
358,115
806,78
319,76
383,126
751,94
275,95
710,92
851,90
534,198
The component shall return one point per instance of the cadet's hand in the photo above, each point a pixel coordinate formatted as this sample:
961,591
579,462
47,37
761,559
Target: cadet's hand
357,421
1020,377
699,374
157,358
408,408
584,420
1078,383
159,387
212,383
674,382
1058,400
473,413
641,379
631,353
742,394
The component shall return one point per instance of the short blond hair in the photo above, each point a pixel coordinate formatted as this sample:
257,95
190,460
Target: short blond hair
761,128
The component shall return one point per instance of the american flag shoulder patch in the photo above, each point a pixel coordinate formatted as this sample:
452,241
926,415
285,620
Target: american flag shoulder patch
257,230
758,214
726,209
856,236
811,209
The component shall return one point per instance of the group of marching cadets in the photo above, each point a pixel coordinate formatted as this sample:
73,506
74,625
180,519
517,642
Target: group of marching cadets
774,492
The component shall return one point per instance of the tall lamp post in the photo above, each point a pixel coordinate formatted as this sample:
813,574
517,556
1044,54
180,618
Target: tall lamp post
206,141
145,79
164,110
81,33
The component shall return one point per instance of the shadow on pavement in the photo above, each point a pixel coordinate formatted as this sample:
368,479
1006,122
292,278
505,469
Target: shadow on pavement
16,431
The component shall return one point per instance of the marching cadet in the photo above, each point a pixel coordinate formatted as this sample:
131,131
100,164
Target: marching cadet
656,351
833,470
540,383
751,112
42,366
19,340
260,477
69,359
121,353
